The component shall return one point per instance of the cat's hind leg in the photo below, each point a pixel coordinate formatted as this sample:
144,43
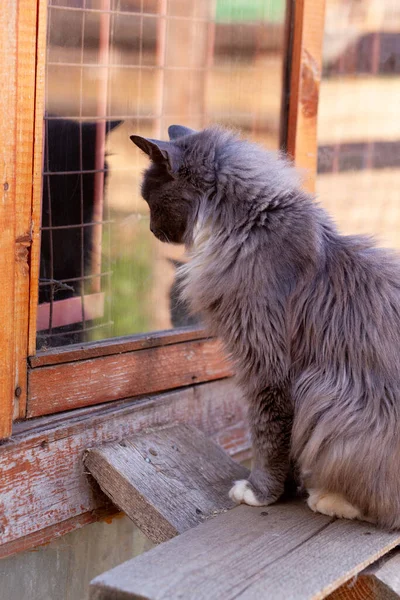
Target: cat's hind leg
333,505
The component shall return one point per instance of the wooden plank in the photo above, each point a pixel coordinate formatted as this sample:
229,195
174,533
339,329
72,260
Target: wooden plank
381,581
359,588
37,172
43,480
282,551
8,138
115,346
166,480
387,575
304,86
337,554
26,60
71,385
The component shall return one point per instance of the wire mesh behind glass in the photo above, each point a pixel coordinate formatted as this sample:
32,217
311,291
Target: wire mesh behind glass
118,67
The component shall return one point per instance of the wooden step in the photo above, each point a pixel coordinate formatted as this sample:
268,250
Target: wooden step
175,480
166,480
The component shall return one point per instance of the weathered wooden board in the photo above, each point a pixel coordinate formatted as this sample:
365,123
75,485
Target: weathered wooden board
40,59
8,140
71,385
26,58
166,480
282,552
388,574
110,346
380,581
43,481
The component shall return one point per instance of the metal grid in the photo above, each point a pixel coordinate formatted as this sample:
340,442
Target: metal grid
91,48
80,298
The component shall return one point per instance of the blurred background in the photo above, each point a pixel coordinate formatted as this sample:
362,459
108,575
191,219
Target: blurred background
117,67
359,118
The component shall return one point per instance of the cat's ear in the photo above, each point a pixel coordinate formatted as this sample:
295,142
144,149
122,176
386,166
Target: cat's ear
159,152
177,131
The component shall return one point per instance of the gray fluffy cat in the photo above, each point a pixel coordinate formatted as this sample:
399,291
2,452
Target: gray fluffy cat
310,317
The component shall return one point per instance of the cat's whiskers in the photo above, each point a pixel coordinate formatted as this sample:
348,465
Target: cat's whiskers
166,238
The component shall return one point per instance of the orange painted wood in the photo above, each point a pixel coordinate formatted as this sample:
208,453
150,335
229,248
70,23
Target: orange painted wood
26,61
36,203
72,385
306,65
43,480
115,346
8,145
363,588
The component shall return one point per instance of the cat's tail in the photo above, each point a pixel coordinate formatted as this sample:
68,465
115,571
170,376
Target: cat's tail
348,446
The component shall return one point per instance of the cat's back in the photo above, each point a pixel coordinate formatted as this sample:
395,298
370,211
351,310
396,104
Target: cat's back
356,265
350,317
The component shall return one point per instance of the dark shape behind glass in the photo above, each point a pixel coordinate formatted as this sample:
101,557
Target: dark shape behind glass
67,203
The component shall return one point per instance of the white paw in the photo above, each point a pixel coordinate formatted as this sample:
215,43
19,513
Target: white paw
241,492
333,505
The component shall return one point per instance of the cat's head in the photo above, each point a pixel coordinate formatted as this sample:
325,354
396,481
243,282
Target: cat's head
176,180
210,176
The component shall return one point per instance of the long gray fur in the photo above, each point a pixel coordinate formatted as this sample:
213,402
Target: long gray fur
310,317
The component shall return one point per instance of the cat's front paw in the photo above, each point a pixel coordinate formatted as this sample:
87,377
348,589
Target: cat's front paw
243,493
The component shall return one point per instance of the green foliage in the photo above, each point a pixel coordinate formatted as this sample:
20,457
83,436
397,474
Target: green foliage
250,10
129,258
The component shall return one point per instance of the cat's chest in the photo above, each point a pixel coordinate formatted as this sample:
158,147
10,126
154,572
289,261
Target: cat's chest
201,254
199,270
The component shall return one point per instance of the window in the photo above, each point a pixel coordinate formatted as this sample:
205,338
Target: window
91,291
114,68
77,175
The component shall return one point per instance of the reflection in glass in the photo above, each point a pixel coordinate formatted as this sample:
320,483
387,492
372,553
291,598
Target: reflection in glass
117,67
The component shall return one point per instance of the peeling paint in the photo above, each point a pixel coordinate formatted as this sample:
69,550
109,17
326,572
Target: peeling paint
310,80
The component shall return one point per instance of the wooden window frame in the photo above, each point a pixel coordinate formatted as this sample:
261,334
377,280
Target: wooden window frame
74,378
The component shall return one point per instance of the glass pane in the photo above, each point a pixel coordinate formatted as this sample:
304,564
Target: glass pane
358,124
118,67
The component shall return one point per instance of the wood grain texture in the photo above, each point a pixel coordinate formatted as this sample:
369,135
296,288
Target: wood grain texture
282,552
364,587
8,139
387,573
304,86
43,481
115,346
26,79
166,480
37,172
359,588
71,385
380,581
